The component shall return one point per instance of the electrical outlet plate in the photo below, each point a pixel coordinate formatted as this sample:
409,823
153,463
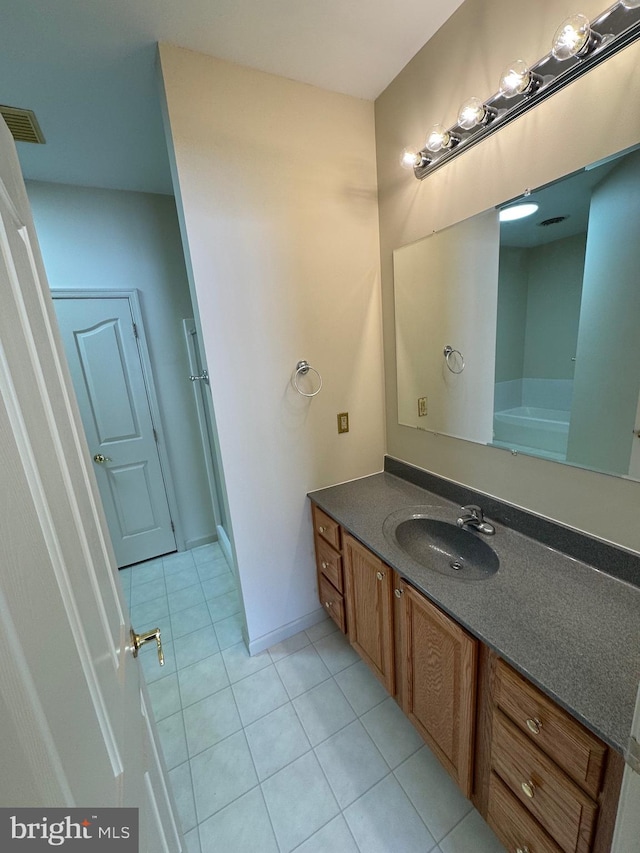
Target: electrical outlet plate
422,407
343,422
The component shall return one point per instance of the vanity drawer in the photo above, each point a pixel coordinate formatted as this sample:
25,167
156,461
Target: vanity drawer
513,824
333,602
565,740
326,527
557,803
329,564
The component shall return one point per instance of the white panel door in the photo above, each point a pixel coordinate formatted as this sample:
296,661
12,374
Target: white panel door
75,730
101,343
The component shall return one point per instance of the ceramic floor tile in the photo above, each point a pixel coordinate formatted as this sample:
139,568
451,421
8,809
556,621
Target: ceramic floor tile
276,740
472,833
211,720
176,562
241,827
391,732
165,696
302,670
240,663
223,606
212,568
201,679
351,763
192,841
184,597
229,631
221,774
288,646
189,620
323,711
181,578
321,629
384,815
223,583
145,616
361,687
334,837
436,797
124,576
180,779
172,739
204,553
145,572
336,652
196,646
259,694
299,801
149,591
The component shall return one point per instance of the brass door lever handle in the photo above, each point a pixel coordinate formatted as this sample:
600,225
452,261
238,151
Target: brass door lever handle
138,640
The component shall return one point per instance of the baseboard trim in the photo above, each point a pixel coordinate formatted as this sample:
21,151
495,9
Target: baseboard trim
267,640
199,541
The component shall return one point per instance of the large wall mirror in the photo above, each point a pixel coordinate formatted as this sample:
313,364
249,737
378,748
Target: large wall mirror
525,334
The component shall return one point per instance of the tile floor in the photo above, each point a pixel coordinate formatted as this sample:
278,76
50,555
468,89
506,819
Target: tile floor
297,748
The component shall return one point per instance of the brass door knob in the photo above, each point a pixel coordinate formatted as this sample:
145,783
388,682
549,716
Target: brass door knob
138,640
100,459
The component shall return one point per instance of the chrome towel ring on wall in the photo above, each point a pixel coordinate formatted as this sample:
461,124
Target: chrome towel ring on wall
453,359
302,369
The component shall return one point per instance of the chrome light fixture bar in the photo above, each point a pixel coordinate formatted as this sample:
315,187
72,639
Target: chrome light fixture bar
578,46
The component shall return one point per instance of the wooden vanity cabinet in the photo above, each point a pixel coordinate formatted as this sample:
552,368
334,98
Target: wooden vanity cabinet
437,680
327,536
369,591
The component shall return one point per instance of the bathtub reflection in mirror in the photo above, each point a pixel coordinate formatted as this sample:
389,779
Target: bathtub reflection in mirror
545,311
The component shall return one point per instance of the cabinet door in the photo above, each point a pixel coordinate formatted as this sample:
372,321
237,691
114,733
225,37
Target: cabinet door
438,688
369,611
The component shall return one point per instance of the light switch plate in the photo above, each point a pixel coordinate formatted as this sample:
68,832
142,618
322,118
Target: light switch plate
422,407
343,422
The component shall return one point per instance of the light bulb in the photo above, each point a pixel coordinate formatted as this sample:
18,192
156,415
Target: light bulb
439,138
572,38
516,79
472,113
411,159
517,211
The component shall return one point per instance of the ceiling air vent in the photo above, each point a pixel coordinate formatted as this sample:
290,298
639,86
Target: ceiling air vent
554,220
23,124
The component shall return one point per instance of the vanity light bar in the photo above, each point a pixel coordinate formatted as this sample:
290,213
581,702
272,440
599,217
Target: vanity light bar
577,48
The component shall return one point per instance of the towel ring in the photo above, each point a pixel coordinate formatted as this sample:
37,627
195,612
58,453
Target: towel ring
302,368
448,352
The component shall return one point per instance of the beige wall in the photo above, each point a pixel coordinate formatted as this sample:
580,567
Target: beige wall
277,184
592,118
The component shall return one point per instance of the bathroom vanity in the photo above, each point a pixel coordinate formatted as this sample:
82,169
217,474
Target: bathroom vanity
521,680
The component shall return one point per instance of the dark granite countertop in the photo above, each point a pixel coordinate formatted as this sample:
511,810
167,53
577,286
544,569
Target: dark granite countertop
571,629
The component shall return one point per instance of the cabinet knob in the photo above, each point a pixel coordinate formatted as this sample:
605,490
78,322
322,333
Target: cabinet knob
522,850
322,529
534,725
325,565
528,789
327,604
398,592
380,576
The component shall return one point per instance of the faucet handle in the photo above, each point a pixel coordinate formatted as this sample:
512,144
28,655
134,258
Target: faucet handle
474,510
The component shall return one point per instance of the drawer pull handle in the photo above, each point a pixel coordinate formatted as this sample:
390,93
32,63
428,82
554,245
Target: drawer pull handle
380,576
528,789
325,565
322,529
398,593
534,725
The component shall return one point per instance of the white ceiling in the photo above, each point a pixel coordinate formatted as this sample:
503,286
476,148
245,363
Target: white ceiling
88,67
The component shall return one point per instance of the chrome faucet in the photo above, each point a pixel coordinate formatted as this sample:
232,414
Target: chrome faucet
474,517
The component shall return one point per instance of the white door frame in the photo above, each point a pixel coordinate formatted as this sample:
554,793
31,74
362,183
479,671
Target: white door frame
133,296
